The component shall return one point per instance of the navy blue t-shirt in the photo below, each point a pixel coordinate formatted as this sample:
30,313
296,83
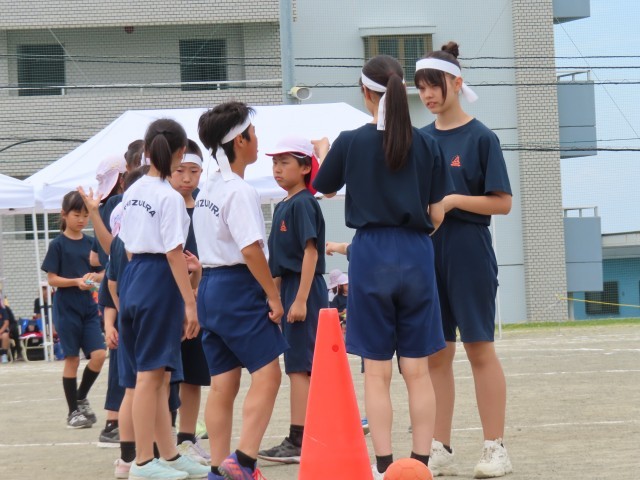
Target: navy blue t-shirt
376,196
339,302
190,243
475,162
105,214
117,261
295,221
68,258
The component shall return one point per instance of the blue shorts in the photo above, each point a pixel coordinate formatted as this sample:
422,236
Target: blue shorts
467,275
233,312
301,336
75,316
393,299
194,363
115,392
151,318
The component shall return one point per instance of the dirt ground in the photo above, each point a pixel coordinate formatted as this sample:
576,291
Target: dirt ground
573,412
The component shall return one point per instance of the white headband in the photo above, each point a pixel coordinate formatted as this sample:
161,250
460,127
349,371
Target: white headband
192,158
221,157
447,67
376,87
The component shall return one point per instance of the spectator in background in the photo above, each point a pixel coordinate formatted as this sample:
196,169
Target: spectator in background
8,331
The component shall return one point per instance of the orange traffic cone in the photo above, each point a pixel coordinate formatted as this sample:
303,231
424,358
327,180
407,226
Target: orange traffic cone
333,445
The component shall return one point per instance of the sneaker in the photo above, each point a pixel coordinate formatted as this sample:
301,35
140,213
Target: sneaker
85,408
213,476
4,358
441,462
122,468
494,461
195,452
286,452
231,469
201,430
155,469
376,474
109,439
365,425
77,420
188,465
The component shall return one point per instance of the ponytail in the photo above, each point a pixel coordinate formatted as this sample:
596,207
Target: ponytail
398,133
163,138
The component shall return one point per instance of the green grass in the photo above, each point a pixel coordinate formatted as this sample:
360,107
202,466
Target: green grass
605,322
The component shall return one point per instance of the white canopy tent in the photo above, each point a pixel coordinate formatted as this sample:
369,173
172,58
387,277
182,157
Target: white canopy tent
16,196
78,167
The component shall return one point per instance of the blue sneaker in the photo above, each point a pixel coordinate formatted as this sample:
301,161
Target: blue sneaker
231,469
188,465
155,469
213,476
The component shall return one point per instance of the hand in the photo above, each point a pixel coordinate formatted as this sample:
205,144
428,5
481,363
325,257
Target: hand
111,336
335,247
191,326
193,264
82,284
276,311
321,148
297,312
92,203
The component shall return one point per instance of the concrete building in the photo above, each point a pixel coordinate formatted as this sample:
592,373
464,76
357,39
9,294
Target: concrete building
149,54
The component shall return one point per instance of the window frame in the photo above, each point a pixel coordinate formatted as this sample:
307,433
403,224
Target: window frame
610,294
29,65
198,73
372,48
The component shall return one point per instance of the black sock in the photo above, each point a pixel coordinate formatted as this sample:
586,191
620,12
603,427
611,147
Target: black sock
156,452
70,386
88,378
142,464
422,458
296,433
215,471
447,448
128,451
174,458
174,416
382,463
186,437
110,425
245,460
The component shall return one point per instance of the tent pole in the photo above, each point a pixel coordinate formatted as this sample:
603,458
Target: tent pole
48,354
34,221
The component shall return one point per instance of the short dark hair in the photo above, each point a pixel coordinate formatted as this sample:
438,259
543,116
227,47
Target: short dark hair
134,175
437,78
133,155
193,148
163,138
214,124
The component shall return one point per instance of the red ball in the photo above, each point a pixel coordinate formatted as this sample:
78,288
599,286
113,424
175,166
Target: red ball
408,469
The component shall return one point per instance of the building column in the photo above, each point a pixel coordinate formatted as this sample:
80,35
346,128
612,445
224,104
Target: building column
541,190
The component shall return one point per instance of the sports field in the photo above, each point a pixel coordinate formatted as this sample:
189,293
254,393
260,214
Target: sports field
573,411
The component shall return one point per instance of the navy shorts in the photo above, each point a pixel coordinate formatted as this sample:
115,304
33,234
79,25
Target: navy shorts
115,392
194,363
393,298
467,275
301,336
76,318
233,312
151,318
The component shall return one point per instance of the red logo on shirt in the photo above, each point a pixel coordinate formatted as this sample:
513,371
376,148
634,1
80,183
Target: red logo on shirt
283,227
455,162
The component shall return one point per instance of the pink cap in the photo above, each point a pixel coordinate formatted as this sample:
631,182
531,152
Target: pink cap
108,172
334,278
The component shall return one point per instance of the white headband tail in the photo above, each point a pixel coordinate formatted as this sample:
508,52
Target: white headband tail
221,157
376,87
447,67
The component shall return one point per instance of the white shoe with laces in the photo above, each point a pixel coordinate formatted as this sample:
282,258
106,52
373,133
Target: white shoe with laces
494,461
441,462
376,474
191,450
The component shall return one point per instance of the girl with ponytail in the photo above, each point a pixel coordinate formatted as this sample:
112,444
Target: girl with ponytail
395,182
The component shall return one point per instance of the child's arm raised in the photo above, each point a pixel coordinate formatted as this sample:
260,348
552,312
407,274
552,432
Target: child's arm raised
102,234
259,268
298,310
180,272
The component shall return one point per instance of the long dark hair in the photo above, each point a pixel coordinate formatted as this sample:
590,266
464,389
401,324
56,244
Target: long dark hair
398,133
71,202
163,138
437,78
133,155
214,124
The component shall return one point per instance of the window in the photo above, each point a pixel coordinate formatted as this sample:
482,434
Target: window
608,296
40,67
54,226
406,48
203,61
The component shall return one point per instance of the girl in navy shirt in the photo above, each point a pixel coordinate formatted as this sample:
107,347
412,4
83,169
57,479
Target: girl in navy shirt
75,313
466,266
395,183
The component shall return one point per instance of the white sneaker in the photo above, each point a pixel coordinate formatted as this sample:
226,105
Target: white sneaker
376,474
188,465
190,449
441,462
494,461
4,358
